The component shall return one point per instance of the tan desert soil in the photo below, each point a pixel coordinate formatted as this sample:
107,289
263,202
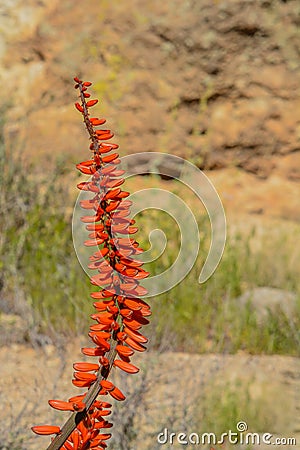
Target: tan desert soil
175,382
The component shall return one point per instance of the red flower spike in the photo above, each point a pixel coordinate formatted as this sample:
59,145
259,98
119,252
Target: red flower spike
120,313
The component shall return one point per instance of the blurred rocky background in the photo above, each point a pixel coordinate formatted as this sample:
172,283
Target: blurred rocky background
216,82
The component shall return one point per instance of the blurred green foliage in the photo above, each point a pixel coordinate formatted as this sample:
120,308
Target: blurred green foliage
38,261
39,264
209,317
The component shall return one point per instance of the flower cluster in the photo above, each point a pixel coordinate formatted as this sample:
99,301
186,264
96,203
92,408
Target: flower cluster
120,312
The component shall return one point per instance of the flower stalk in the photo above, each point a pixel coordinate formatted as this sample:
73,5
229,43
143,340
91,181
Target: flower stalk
120,312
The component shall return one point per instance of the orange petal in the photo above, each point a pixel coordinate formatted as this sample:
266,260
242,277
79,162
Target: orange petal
109,158
77,398
124,350
86,170
135,324
95,227
112,194
95,351
101,306
91,103
95,218
105,136
81,383
87,204
104,361
112,205
46,429
78,107
85,376
75,438
132,304
93,242
135,345
104,436
61,405
102,343
139,291
108,385
101,294
117,394
95,121
127,367
101,253
141,274
123,194
115,183
126,312
68,446
138,337
102,424
85,367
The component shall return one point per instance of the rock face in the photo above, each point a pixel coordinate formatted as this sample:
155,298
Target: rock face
214,81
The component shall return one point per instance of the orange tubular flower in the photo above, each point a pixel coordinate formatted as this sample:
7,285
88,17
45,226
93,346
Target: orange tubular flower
120,313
